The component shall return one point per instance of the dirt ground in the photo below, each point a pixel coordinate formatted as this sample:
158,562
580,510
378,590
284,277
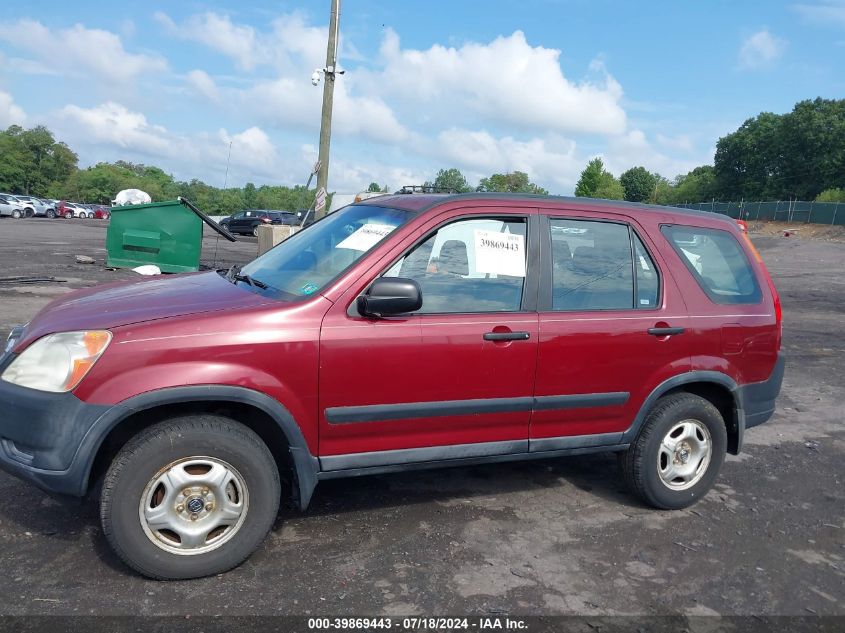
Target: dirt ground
553,537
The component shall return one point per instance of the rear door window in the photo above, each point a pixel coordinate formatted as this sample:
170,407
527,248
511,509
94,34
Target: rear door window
717,262
592,268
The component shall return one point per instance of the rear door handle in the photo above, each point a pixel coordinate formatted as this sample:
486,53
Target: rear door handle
507,336
665,331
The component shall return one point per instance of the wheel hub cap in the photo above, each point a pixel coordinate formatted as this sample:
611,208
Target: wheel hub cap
684,454
194,505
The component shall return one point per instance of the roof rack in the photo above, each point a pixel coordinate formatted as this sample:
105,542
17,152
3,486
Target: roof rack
410,189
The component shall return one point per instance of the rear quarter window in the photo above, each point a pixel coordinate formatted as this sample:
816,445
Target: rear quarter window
717,262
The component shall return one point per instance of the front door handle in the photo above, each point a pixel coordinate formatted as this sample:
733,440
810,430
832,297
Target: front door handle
507,336
665,331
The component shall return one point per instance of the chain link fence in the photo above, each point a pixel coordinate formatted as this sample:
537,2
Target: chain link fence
796,211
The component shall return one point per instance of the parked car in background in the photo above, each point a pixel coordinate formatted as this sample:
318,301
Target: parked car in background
101,212
399,333
78,211
247,222
65,209
10,206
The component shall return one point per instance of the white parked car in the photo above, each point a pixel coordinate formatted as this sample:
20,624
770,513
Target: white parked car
79,211
10,206
37,207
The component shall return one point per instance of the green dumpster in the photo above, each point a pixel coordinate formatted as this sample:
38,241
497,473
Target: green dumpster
167,234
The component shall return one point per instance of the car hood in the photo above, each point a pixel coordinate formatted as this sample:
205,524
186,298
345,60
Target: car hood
148,299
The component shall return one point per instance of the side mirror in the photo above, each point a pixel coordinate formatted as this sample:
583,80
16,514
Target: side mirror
390,296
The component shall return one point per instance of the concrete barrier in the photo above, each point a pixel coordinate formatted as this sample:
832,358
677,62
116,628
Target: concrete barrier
269,235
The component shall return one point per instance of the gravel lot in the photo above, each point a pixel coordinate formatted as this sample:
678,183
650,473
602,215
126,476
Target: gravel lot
554,537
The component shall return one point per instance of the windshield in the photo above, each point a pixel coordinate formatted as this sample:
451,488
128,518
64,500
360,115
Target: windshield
308,260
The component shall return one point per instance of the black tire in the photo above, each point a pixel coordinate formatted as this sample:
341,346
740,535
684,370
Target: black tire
152,451
255,231
50,214
640,463
16,214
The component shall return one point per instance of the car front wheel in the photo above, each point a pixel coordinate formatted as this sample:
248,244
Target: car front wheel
678,453
190,497
16,214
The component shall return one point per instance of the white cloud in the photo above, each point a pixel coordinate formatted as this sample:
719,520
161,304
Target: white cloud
761,49
113,129
288,40
114,124
505,81
203,84
10,114
77,48
823,13
682,142
633,148
551,161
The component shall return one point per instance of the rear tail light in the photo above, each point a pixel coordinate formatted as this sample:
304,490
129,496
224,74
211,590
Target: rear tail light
772,289
266,220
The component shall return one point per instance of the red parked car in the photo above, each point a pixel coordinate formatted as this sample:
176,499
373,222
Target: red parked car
101,212
403,332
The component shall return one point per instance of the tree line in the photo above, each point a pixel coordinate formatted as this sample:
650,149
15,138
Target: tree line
33,162
797,155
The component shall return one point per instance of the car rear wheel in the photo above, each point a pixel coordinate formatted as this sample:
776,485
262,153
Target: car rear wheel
90,215
255,231
190,497
50,214
678,453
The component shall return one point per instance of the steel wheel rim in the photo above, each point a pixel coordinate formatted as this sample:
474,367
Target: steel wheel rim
194,505
684,454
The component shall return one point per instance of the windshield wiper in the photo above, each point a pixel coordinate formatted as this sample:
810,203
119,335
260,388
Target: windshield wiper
234,275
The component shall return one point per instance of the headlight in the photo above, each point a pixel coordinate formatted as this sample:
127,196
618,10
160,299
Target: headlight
57,362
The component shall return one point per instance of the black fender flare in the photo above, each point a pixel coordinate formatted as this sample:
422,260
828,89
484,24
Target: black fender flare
715,377
305,464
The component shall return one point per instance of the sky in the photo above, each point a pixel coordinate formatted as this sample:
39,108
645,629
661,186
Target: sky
540,86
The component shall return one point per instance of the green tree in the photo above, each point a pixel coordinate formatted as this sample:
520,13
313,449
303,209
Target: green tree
795,155
374,187
31,160
609,188
831,195
250,196
514,182
696,186
597,182
638,184
450,179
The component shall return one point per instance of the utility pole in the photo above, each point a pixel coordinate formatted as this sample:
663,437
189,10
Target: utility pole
329,73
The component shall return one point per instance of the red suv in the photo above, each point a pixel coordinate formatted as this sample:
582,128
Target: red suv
403,332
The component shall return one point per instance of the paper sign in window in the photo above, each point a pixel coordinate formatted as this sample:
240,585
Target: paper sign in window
499,253
366,237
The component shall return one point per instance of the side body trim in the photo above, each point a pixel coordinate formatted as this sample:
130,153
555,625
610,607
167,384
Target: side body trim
466,461
412,410
409,410
426,454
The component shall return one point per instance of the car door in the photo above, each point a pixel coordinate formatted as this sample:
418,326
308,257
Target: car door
453,380
237,223
611,329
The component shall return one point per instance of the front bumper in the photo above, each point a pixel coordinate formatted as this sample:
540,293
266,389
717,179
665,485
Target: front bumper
42,437
758,398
